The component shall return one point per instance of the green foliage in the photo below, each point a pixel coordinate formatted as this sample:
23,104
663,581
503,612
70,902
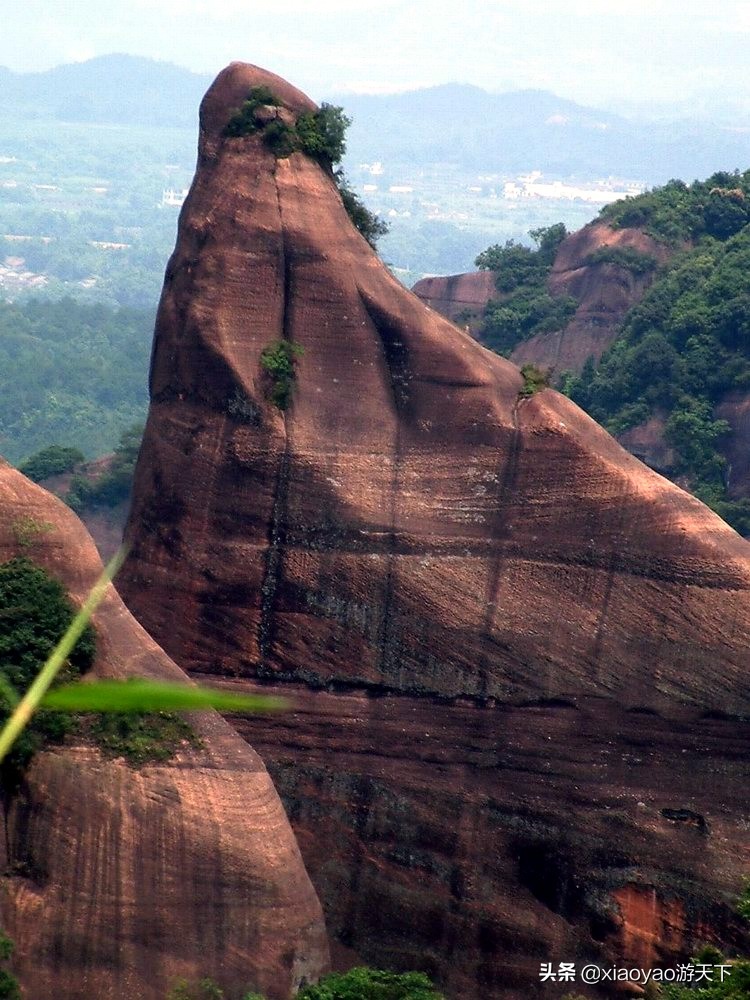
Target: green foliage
206,989
371,984
525,307
9,988
679,352
35,612
693,433
548,240
27,530
677,212
279,361
527,311
320,134
357,984
114,485
534,379
366,222
141,738
280,138
628,258
51,461
516,265
243,120
70,372
743,903
735,984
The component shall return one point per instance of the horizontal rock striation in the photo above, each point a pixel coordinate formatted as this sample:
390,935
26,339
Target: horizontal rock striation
415,535
120,880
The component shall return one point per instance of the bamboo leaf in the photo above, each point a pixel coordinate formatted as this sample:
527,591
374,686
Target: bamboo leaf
142,695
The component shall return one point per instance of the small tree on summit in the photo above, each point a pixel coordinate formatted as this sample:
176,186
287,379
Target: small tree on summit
319,134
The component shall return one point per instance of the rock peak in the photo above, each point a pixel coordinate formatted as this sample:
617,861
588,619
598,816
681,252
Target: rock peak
413,526
230,89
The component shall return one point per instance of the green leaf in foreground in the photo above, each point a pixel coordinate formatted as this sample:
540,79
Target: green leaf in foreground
141,695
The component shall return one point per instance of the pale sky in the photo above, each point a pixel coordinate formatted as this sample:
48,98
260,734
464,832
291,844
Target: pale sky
593,51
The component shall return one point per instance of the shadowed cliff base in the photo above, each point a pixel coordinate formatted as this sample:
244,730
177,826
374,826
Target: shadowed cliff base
412,527
120,880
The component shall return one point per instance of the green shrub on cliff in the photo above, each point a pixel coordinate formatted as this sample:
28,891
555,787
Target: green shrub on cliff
628,258
534,380
52,461
114,485
525,307
206,989
279,361
743,903
34,612
139,737
366,222
322,134
243,120
356,984
319,134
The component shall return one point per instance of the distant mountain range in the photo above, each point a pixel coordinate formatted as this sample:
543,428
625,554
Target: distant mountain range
113,89
535,130
458,125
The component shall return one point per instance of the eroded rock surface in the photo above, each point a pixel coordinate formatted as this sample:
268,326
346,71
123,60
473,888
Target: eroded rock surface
604,292
461,298
118,881
510,642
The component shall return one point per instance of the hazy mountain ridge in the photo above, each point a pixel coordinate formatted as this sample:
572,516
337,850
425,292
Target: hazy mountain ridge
452,123
118,89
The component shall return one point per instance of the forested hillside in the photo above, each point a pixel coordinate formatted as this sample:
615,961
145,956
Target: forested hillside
70,374
682,351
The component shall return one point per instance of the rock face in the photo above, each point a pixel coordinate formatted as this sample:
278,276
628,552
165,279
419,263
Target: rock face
461,298
511,645
604,292
118,881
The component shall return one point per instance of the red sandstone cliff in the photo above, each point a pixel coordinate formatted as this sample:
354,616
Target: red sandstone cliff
461,298
517,653
605,293
120,880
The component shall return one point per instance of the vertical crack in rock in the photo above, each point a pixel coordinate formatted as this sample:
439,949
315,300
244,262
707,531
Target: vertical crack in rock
612,571
500,531
396,356
277,527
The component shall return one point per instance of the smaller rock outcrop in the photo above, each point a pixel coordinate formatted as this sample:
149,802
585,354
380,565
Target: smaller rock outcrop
604,292
461,298
119,880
